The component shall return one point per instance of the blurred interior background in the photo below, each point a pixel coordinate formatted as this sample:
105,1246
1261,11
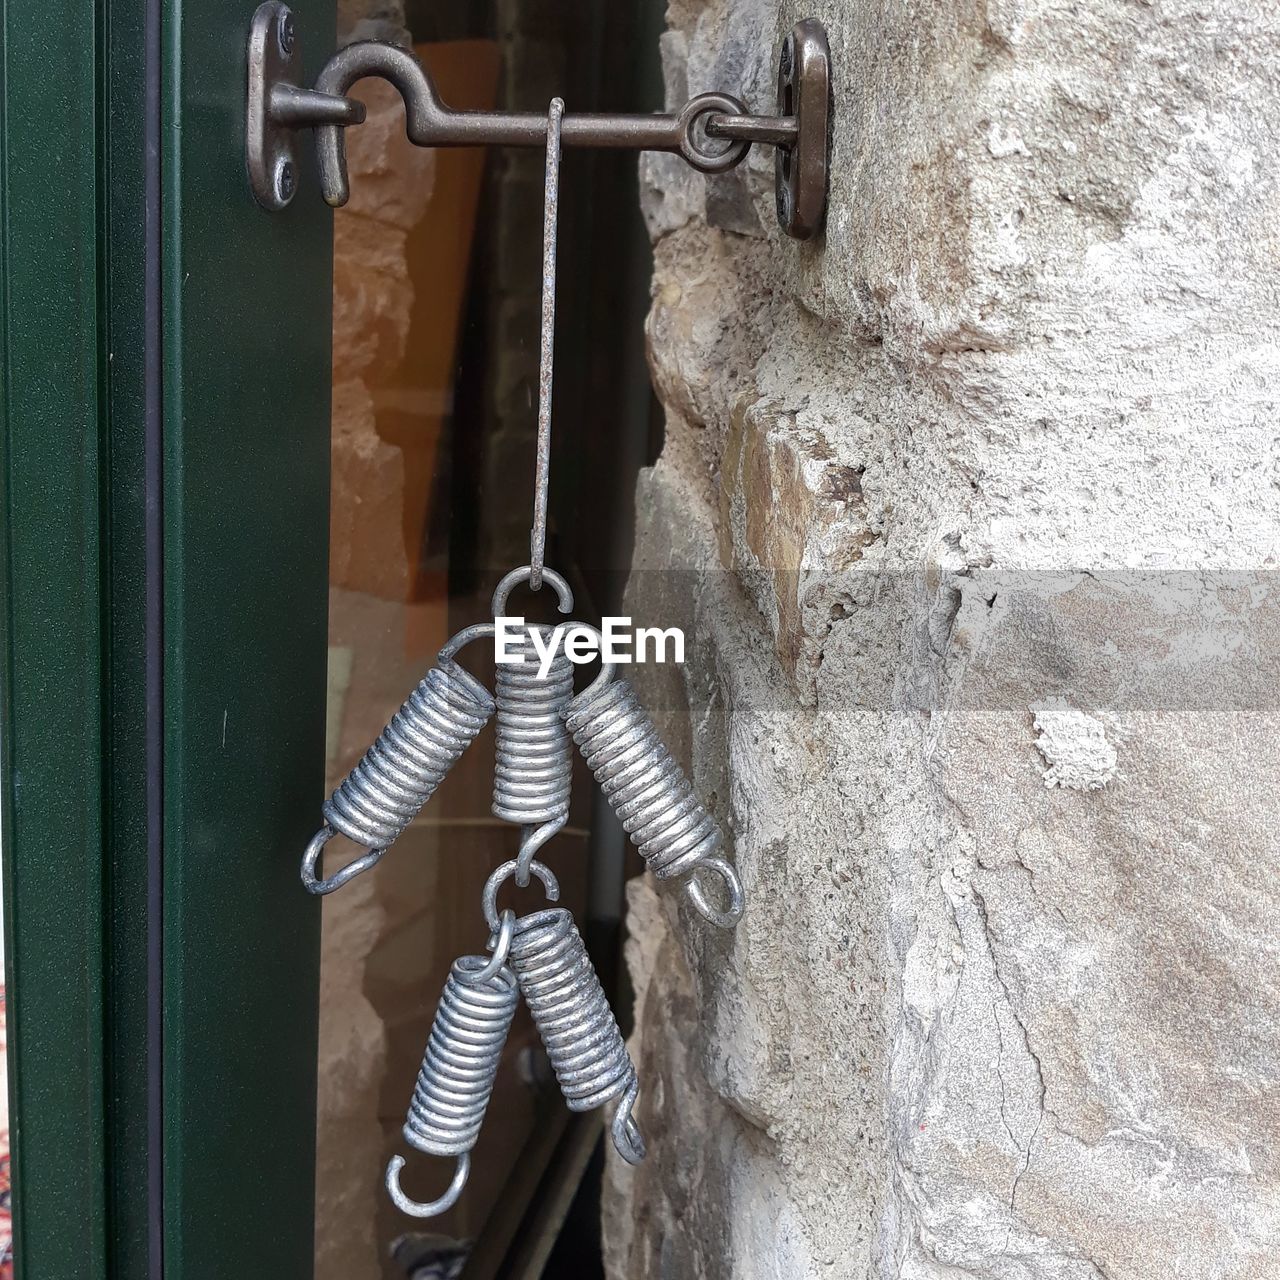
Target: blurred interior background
435,349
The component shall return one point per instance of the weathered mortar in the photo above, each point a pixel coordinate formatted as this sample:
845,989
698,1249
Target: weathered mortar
983,486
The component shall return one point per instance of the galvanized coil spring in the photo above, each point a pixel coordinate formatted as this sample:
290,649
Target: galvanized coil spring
378,799
398,774
649,792
457,1074
534,771
577,1026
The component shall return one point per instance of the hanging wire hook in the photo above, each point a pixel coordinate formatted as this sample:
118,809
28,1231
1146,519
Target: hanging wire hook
502,592
550,219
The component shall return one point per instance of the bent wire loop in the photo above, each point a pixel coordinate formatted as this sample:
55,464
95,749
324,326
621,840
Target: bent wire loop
416,1209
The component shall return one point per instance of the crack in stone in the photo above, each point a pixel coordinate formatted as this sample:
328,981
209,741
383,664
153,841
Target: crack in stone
981,907
1026,1164
1035,892
1004,1097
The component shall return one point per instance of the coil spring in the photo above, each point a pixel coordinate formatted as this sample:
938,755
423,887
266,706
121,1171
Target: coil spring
534,771
650,794
457,1074
383,793
577,1026
378,799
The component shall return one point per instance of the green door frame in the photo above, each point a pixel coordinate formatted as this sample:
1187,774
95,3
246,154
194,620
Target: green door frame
247,305
164,383
54,708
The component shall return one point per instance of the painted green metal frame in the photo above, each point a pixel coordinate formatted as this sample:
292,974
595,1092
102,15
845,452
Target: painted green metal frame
162,957
248,299
53,804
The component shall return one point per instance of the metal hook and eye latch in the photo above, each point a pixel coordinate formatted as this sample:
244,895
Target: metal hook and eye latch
712,132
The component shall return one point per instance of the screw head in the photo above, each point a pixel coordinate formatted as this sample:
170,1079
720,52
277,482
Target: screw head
287,34
286,181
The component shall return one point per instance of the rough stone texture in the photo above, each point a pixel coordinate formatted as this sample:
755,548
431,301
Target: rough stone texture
373,295
970,511
373,20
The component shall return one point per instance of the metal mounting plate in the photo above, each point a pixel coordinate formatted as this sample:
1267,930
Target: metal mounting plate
271,147
804,91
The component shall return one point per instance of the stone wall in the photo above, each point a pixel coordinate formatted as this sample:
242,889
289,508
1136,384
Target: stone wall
970,510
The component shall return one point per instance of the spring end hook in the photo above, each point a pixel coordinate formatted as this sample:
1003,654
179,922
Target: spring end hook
724,918
489,895
500,944
628,1141
414,1208
311,858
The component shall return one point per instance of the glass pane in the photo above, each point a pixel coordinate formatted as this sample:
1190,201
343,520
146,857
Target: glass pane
436,313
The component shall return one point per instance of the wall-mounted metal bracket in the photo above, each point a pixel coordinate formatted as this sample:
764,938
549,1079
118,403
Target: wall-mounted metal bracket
712,132
277,107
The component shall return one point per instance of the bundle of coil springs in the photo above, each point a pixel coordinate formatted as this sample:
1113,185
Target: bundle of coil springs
540,957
